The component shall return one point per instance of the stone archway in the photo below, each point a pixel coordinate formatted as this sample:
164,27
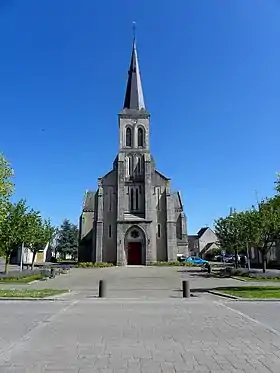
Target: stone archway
135,244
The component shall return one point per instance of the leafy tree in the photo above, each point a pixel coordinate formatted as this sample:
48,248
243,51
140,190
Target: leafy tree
12,229
40,233
6,186
22,225
267,227
277,184
210,254
67,239
246,223
229,235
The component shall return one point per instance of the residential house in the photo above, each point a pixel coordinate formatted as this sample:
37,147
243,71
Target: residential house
273,256
42,255
203,241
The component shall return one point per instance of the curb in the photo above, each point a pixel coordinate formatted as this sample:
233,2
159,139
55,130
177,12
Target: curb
232,297
58,297
239,279
224,295
61,296
3,299
256,280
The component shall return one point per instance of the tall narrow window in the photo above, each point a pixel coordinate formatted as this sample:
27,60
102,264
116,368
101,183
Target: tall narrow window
158,230
141,161
110,231
128,166
140,137
138,165
136,199
110,199
158,197
128,137
131,199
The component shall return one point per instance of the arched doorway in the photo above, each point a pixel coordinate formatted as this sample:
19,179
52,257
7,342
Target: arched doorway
135,246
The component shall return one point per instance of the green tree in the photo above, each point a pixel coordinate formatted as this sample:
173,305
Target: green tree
267,227
6,186
12,229
277,184
40,234
67,239
246,225
229,235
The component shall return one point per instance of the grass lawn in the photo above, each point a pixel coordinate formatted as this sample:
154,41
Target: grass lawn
17,293
264,292
21,279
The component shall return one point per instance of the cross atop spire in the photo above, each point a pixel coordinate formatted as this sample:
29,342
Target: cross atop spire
134,30
134,98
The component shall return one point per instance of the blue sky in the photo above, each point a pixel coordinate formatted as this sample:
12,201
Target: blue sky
211,79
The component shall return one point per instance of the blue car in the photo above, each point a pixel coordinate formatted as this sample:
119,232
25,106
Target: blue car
196,260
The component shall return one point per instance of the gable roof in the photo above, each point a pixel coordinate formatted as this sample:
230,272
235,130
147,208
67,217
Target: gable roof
208,247
202,231
160,174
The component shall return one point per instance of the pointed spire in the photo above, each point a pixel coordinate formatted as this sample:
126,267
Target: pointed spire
134,98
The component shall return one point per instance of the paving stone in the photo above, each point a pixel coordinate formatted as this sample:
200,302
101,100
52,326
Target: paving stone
157,334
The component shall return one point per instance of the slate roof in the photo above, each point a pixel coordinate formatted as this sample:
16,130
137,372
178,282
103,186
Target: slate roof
134,98
89,201
202,231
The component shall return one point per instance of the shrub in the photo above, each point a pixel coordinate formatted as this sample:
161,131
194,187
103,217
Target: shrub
260,276
210,254
231,271
93,265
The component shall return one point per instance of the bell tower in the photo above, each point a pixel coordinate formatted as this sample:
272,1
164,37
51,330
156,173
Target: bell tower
135,191
134,118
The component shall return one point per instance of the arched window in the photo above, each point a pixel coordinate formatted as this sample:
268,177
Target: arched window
128,137
140,137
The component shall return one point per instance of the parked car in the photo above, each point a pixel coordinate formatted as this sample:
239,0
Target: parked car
218,258
231,258
181,257
196,260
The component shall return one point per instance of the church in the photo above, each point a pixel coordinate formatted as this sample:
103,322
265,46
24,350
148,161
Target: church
133,218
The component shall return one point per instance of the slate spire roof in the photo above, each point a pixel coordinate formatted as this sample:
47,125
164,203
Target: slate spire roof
134,98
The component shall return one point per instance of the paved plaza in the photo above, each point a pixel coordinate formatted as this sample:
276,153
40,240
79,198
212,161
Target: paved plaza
144,325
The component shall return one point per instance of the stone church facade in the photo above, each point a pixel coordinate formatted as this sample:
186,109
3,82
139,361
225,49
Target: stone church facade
133,218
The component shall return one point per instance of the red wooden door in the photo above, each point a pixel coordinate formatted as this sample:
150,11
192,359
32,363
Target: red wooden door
134,253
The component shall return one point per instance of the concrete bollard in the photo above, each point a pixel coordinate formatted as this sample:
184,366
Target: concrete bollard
102,289
186,289
209,268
